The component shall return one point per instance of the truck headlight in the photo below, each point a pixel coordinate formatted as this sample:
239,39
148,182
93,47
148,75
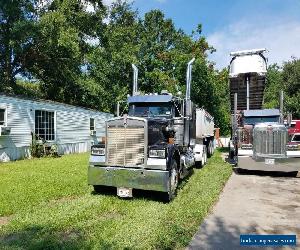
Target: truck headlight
157,153
293,146
98,151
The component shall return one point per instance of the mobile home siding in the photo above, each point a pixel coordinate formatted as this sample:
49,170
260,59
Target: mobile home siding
72,126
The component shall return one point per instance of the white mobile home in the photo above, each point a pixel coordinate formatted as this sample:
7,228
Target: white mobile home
73,129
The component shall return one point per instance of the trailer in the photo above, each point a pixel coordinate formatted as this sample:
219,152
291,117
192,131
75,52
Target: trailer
153,146
259,136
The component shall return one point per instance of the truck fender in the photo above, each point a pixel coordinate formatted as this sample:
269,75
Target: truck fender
173,154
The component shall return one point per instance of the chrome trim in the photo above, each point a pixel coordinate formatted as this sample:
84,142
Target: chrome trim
120,121
269,140
282,164
97,159
157,163
135,79
145,179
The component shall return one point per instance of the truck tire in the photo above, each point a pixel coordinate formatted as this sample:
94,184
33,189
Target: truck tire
231,154
173,182
212,146
210,149
200,164
101,189
204,156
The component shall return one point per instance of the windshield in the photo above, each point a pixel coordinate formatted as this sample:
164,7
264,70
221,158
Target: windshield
150,109
254,120
296,138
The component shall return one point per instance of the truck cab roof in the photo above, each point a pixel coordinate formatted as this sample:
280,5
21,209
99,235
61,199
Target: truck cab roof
149,98
262,113
253,117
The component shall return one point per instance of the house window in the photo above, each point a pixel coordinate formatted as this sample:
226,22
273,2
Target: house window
44,125
92,124
2,117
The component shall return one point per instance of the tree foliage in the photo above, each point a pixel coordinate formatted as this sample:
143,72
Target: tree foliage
17,26
291,82
83,56
286,78
273,86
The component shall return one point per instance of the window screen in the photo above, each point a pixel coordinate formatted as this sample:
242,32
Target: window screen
92,124
2,116
44,125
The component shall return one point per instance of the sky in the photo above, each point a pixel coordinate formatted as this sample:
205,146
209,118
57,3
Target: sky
232,25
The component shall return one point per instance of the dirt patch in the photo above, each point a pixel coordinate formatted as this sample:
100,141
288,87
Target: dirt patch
4,220
27,233
62,200
111,215
69,235
9,238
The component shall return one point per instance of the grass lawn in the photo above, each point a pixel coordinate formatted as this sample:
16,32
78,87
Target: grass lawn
46,204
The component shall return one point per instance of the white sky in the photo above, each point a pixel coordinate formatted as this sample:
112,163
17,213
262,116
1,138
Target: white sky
281,39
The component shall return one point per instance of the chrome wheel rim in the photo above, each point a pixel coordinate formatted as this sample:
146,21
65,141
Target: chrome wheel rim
174,180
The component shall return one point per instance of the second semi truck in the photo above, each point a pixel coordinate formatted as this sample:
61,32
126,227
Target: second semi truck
259,136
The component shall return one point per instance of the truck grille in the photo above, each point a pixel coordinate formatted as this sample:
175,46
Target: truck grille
125,146
270,141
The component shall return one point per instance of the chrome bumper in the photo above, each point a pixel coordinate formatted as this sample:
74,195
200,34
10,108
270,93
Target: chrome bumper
152,163
156,180
281,165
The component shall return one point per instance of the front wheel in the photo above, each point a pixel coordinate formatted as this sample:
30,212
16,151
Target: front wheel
173,182
200,164
100,189
210,149
204,158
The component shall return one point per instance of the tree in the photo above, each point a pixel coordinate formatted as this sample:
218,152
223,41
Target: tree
286,78
273,86
65,30
84,57
161,53
17,25
221,104
291,82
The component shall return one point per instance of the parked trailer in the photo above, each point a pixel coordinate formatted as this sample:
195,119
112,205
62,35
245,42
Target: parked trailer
205,130
157,143
259,136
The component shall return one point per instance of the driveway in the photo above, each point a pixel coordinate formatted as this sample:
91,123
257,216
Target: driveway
251,204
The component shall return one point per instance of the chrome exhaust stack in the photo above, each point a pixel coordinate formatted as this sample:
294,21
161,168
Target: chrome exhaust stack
188,104
281,106
188,83
135,79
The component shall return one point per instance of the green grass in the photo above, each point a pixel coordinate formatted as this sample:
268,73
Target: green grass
46,204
